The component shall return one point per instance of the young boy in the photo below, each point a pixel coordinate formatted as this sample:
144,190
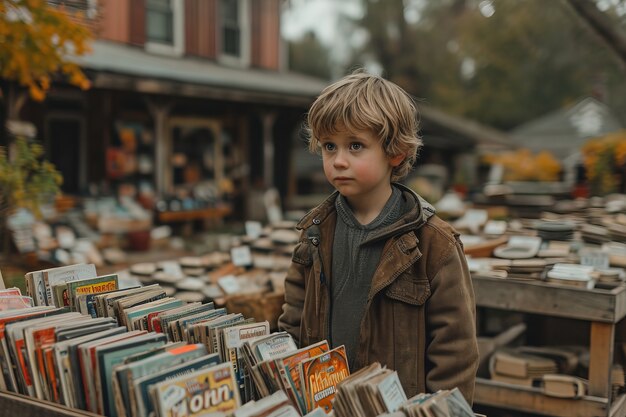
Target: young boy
375,269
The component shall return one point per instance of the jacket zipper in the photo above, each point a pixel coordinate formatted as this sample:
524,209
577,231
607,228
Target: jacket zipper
324,283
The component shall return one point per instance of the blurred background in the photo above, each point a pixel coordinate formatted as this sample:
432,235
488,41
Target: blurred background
188,113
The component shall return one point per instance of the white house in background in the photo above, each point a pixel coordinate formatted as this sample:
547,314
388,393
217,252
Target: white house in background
565,131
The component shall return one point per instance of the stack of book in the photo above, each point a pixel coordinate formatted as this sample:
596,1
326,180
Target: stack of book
135,352
377,391
443,403
309,376
518,368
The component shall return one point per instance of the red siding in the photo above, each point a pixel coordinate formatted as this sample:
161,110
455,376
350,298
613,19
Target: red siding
191,27
137,22
114,22
265,34
200,27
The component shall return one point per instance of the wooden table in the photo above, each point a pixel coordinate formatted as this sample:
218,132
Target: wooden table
602,308
210,216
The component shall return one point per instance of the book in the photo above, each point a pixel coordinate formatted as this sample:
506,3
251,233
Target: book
112,354
55,276
233,339
144,406
68,365
150,362
320,376
36,288
289,370
204,391
101,284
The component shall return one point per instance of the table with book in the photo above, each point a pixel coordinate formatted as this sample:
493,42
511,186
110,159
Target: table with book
78,345
563,276
602,308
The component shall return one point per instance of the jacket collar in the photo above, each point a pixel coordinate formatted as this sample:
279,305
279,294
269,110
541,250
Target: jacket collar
416,218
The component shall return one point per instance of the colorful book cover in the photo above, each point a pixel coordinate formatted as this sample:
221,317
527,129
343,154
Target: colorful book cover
15,302
320,376
54,276
143,406
290,372
209,390
233,339
110,355
104,283
274,346
127,373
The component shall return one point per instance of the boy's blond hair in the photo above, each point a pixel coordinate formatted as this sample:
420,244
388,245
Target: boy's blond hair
366,102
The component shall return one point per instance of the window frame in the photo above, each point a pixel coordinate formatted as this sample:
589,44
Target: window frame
244,20
177,47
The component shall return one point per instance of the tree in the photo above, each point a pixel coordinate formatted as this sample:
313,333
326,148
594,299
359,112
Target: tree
36,42
500,62
308,56
26,181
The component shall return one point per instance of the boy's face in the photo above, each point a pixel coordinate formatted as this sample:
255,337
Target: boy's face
356,164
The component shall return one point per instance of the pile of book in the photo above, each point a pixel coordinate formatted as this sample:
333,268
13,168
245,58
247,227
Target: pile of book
309,375
87,344
377,391
135,352
519,368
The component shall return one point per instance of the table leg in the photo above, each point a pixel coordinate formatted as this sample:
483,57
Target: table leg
601,359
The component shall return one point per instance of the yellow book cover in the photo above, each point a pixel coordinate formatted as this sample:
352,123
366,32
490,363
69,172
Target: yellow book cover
197,393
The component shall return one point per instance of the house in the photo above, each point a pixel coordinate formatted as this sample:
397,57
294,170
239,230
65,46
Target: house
186,95
564,132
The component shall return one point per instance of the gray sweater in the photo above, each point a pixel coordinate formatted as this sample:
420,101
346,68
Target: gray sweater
353,266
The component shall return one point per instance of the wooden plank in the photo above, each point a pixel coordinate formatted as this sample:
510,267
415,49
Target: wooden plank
601,358
13,404
620,302
532,400
553,300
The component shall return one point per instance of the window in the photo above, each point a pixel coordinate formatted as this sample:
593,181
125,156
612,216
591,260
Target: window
164,26
231,31
235,31
160,21
88,8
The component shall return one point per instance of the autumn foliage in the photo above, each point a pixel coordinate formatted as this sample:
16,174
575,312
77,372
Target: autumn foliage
605,160
37,42
523,165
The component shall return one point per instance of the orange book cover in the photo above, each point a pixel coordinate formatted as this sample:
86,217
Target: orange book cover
42,338
290,372
53,384
320,377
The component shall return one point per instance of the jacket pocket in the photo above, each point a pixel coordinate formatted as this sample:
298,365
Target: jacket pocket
404,323
414,292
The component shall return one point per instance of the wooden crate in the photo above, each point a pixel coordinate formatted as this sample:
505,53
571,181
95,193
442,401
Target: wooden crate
261,306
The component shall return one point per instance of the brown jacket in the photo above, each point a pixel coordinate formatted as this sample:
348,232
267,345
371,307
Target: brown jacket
420,314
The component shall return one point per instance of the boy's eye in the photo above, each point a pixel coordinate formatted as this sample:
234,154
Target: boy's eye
355,146
328,146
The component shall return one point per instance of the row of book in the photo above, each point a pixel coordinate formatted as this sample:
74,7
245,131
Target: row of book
135,352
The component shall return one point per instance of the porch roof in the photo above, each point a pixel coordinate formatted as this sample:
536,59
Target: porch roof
125,67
